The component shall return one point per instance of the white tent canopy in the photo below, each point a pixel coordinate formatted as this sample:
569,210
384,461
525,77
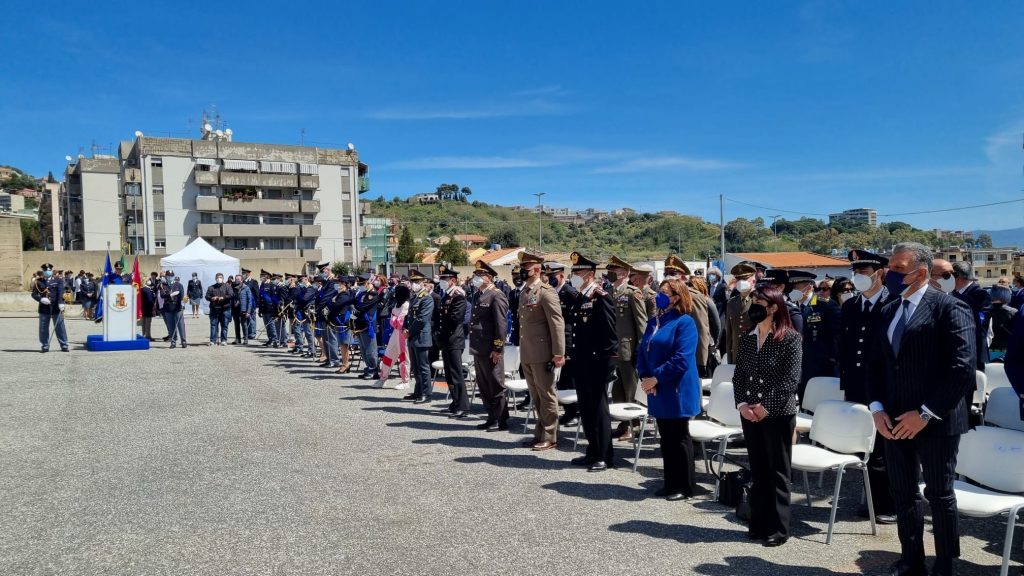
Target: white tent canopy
201,258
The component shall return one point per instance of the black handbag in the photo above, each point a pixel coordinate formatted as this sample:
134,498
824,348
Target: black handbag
734,492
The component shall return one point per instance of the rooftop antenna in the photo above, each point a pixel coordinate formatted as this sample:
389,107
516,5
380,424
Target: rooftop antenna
302,137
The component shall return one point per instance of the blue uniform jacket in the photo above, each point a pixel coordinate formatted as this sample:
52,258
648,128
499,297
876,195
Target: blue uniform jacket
417,322
1014,358
668,352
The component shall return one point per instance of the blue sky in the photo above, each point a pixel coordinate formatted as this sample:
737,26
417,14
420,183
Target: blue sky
808,107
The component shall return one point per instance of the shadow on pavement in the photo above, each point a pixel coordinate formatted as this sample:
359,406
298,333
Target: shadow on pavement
513,460
599,491
686,534
439,426
465,442
756,565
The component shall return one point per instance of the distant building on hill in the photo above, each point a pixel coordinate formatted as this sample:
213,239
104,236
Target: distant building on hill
989,263
426,198
867,216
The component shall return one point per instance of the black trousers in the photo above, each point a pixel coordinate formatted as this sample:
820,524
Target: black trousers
677,455
236,318
566,382
489,378
452,358
591,377
770,449
881,495
935,457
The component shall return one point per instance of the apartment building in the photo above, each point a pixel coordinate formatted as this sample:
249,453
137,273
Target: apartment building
88,206
867,216
989,263
280,199
50,217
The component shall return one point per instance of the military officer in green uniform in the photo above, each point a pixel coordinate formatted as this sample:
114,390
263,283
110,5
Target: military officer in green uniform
630,324
676,268
736,322
640,276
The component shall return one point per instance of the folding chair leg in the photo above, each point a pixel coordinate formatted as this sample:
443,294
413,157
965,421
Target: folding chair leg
526,424
720,456
704,455
871,505
807,488
639,440
835,504
576,440
1011,520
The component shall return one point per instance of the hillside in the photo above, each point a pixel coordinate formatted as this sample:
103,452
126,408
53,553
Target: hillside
1005,238
637,236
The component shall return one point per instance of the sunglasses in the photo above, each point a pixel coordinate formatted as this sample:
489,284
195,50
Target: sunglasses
943,275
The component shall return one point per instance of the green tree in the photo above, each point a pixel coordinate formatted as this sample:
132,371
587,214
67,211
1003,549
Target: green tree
31,239
406,252
984,240
453,253
341,268
506,238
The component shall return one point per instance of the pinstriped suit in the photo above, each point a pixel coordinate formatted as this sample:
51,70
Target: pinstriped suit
935,368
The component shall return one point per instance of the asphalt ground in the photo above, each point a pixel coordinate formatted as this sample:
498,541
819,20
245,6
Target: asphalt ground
232,460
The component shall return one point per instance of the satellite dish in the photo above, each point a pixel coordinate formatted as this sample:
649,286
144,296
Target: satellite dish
351,146
81,155
207,127
228,132
68,158
219,132
138,133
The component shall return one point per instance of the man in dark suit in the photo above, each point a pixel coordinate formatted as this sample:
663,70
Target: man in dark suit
567,296
452,341
418,335
718,290
926,343
980,302
860,318
1014,358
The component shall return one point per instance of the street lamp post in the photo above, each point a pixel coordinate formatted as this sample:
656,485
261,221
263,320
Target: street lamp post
540,220
775,230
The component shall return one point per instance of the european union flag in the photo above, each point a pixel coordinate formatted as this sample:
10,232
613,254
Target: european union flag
108,272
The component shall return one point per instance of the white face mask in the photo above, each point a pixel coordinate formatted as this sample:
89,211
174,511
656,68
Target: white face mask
861,282
477,281
846,296
947,285
576,281
743,285
443,284
416,286
796,295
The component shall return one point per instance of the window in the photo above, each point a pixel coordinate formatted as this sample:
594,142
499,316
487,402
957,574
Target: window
1002,272
205,218
308,219
272,194
206,191
156,162
308,243
274,244
158,190
158,216
347,243
160,243
1003,258
347,219
346,195
988,273
241,243
952,257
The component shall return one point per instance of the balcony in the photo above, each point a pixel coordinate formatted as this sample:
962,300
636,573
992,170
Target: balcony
258,180
134,203
205,178
310,230
261,230
309,207
259,205
309,181
207,203
208,230
364,207
309,254
364,184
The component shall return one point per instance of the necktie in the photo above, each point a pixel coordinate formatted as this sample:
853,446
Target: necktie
867,306
901,325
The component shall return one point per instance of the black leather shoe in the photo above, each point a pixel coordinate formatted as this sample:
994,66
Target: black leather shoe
412,396
598,466
486,425
570,422
901,568
421,400
775,540
676,497
885,518
523,406
582,461
460,415
502,427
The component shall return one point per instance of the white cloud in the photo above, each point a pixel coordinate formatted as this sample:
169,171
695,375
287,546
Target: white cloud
688,163
887,173
543,101
467,163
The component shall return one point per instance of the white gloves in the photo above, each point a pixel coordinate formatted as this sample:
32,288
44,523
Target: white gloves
61,306
175,293
44,301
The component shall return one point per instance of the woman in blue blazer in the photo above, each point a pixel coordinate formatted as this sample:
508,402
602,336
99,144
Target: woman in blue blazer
667,366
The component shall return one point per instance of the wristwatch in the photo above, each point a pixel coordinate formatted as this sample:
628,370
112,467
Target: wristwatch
926,417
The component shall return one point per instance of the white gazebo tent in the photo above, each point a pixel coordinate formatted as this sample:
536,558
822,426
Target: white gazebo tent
204,260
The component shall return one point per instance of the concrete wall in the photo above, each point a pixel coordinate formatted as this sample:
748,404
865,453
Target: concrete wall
101,214
10,254
180,193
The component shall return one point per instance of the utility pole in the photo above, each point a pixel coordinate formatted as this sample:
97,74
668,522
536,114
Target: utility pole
721,223
775,230
540,220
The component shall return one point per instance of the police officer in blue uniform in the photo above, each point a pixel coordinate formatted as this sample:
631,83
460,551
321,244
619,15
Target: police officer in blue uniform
49,292
822,319
365,326
266,304
338,315
861,316
327,310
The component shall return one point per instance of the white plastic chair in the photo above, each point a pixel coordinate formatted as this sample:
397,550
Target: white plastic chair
722,373
518,386
843,429
568,398
994,458
628,411
980,392
722,426
819,389
511,354
1003,409
995,373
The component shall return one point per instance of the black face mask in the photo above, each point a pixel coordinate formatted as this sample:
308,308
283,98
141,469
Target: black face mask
757,313
524,275
553,280
612,276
